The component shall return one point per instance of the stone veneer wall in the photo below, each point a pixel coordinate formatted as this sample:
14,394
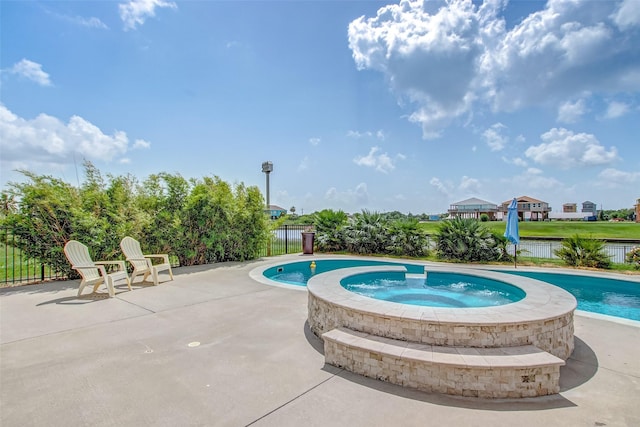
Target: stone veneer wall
552,335
475,382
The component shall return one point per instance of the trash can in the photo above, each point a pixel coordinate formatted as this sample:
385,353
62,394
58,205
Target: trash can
307,242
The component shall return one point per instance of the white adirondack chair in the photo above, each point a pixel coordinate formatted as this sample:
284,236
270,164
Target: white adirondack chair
142,263
94,272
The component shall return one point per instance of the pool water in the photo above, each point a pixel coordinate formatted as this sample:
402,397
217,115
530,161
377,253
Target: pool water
298,273
612,297
435,290
620,298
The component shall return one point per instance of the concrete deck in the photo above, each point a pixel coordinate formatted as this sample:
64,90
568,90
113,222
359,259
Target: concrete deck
133,361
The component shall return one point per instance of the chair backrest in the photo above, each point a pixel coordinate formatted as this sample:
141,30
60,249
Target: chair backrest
132,252
78,256
131,248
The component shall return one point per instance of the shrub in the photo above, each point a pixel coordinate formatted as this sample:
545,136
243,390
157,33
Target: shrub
578,251
329,226
369,233
199,221
366,233
484,218
464,239
633,257
406,238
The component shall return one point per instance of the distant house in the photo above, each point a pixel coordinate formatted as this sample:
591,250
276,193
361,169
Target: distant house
590,207
570,207
275,211
529,209
473,208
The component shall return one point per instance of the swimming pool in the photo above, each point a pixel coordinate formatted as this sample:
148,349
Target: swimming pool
435,289
612,297
299,273
620,298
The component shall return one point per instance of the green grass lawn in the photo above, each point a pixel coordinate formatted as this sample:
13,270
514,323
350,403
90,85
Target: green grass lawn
562,229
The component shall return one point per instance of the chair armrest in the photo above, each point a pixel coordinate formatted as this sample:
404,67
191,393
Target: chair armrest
163,256
101,269
122,264
136,259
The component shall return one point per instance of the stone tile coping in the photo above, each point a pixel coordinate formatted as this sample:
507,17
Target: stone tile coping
527,356
541,302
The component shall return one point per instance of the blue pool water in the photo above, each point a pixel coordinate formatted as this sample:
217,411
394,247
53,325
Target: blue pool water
436,290
619,298
613,297
298,273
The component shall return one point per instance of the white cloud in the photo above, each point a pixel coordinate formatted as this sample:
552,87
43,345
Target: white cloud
534,179
571,112
616,178
440,186
379,134
353,197
517,161
32,71
469,185
462,57
314,141
493,137
564,149
136,12
47,140
141,144
627,15
91,22
304,164
616,109
380,162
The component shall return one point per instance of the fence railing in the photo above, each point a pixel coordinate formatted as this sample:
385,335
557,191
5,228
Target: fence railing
285,240
15,268
546,249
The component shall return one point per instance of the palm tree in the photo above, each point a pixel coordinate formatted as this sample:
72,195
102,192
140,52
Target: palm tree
7,204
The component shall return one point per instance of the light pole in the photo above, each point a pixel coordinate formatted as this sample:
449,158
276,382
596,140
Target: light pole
267,168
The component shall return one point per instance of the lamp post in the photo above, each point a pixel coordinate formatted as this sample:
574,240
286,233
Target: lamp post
267,168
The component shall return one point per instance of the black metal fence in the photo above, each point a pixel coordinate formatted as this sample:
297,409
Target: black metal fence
546,249
15,268
285,240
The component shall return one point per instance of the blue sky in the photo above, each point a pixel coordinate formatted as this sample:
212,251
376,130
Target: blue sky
407,106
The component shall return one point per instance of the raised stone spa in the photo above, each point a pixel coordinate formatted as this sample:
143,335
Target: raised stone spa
511,350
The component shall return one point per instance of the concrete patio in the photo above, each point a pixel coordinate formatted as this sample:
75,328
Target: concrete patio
216,348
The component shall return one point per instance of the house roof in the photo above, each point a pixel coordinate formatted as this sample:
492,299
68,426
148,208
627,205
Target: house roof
473,201
524,199
276,208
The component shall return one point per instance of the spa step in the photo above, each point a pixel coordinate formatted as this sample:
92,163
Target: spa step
506,372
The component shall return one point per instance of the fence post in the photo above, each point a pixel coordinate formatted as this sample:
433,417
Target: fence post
286,239
41,271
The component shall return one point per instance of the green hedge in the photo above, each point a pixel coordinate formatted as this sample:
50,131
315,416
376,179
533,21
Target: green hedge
198,221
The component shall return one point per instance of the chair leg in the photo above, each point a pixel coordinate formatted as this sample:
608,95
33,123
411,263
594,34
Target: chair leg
83,283
110,287
154,274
